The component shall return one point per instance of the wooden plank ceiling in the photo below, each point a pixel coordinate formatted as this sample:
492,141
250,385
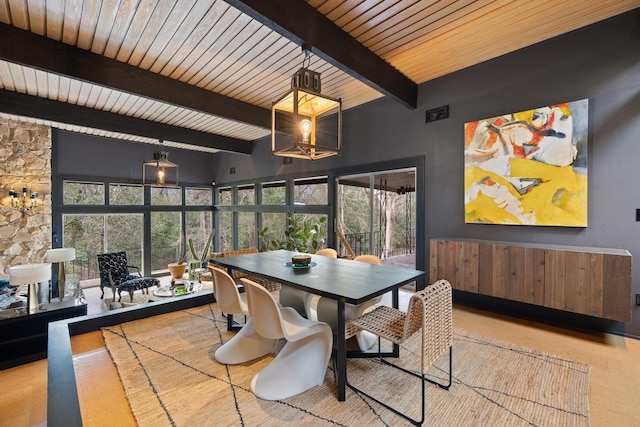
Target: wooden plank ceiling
202,74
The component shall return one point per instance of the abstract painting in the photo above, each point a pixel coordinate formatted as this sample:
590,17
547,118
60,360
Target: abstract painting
528,168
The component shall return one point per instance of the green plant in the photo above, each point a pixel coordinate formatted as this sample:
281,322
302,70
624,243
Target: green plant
181,250
300,235
205,251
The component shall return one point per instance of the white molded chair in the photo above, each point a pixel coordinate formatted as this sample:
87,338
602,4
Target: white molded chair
327,309
301,300
302,362
429,311
247,344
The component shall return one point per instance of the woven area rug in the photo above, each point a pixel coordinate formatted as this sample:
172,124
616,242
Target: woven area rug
171,378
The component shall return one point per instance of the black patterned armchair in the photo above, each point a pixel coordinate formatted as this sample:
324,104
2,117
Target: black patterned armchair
115,273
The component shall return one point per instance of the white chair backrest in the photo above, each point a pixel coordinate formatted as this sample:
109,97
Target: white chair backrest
328,252
264,311
369,259
226,292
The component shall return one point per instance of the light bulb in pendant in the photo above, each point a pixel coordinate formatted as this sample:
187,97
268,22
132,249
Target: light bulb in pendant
305,128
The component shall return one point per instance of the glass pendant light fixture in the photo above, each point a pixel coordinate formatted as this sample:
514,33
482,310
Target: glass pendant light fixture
304,123
159,171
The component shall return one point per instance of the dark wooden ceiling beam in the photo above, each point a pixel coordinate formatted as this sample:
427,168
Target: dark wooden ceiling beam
31,50
304,25
47,109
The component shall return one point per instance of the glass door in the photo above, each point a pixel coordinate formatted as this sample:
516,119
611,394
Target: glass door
376,215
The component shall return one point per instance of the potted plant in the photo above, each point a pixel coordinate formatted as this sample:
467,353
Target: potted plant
300,235
200,261
178,268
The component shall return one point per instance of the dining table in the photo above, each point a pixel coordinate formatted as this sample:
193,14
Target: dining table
342,280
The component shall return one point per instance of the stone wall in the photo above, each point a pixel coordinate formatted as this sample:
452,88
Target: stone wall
25,161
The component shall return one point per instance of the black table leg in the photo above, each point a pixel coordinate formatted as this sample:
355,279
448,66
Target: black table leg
341,353
395,303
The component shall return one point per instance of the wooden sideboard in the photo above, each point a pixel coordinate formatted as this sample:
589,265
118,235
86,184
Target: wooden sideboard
591,281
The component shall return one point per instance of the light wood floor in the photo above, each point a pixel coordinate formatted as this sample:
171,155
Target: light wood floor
614,381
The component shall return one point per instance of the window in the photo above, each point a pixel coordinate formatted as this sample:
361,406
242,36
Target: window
198,197
276,223
376,212
276,211
247,230
123,194
225,195
274,193
225,231
91,235
161,196
311,191
83,193
246,195
124,233
166,240
95,223
198,226
85,233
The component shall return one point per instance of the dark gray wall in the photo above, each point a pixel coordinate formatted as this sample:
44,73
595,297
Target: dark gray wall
600,62
88,155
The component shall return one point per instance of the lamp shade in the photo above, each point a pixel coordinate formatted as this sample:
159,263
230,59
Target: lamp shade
60,255
29,273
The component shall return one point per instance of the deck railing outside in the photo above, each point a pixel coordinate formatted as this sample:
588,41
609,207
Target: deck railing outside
359,243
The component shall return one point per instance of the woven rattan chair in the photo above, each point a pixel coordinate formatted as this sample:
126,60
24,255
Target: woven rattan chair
429,311
269,285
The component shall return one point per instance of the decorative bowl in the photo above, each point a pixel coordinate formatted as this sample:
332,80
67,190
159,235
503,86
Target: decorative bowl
301,260
180,290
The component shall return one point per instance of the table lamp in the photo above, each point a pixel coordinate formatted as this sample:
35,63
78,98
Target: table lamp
60,255
30,274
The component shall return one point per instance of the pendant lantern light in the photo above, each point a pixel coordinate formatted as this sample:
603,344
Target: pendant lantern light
304,123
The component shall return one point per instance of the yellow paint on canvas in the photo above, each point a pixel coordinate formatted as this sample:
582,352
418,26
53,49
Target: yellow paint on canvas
560,199
483,209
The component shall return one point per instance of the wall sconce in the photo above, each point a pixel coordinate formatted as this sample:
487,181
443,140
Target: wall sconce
24,201
160,171
304,123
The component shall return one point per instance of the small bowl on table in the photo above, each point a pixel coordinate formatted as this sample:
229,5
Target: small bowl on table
301,261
